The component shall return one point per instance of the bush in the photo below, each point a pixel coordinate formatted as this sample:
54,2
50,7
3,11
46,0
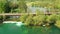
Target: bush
29,20
57,23
52,19
23,18
40,19
1,19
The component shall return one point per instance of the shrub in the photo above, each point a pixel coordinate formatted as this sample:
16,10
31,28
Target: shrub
1,19
29,20
52,19
40,19
57,23
23,18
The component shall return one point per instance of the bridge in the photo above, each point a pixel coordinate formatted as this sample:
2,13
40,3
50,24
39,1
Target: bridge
19,14
14,14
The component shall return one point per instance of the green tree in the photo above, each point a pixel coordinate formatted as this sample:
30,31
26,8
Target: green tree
2,3
22,6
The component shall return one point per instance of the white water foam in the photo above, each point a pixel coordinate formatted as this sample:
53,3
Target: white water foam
17,23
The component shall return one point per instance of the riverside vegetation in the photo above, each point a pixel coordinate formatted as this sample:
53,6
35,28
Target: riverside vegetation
40,19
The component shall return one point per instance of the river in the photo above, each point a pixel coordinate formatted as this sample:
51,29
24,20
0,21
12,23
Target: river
12,28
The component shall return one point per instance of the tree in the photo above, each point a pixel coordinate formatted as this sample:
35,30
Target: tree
23,6
10,5
2,3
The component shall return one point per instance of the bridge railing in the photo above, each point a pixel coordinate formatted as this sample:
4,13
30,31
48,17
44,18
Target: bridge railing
19,14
